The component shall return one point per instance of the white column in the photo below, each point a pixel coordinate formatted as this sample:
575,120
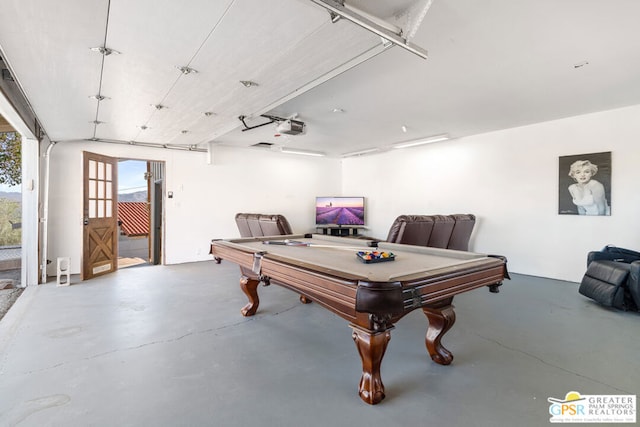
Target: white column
30,190
30,185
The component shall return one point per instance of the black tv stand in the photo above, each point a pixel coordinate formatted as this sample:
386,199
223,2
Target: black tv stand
340,230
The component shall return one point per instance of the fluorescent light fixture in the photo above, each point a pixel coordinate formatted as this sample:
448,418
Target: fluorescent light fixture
361,152
421,141
302,152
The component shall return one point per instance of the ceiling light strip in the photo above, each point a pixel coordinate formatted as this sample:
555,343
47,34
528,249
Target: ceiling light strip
302,152
361,152
358,19
421,141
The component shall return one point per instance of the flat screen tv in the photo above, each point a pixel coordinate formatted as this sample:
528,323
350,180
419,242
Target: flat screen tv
339,210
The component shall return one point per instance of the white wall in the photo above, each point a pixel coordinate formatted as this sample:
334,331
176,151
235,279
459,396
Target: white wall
206,196
509,180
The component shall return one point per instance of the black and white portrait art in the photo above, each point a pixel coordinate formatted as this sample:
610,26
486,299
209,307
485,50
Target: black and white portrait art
585,184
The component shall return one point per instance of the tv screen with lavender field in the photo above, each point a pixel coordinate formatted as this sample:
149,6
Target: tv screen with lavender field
339,210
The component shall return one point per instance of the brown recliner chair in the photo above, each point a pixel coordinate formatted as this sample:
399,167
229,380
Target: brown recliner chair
442,228
258,225
242,221
438,231
461,232
411,230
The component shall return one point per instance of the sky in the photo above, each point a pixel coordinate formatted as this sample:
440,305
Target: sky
6,188
131,176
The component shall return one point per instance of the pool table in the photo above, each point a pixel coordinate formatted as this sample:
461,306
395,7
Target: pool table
371,296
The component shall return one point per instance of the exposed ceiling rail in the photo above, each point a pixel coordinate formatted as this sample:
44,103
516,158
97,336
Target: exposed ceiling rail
338,8
15,99
96,121
272,119
192,147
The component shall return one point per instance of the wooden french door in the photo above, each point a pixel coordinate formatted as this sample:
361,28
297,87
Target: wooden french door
100,219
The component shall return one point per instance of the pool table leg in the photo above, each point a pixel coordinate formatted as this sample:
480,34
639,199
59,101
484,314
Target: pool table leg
371,346
250,288
441,318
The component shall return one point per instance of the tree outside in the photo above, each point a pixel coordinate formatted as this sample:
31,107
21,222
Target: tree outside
10,223
10,219
10,158
10,175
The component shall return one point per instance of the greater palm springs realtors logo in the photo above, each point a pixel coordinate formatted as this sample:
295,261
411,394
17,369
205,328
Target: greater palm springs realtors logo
576,408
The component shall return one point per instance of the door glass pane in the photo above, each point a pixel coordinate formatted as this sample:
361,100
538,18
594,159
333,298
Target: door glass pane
109,172
100,189
100,170
100,208
109,207
109,195
92,169
92,209
92,188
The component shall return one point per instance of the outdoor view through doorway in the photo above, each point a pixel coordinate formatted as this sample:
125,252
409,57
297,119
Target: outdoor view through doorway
140,212
133,213
10,216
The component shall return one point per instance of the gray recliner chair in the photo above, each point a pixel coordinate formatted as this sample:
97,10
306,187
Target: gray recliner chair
613,278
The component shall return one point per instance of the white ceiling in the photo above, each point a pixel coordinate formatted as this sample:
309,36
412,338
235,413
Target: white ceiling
492,64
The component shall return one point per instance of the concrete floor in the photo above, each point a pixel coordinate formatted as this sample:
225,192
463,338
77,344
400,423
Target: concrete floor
167,346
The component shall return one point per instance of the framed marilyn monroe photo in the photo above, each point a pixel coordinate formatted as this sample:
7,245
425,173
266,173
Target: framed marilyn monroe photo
585,184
